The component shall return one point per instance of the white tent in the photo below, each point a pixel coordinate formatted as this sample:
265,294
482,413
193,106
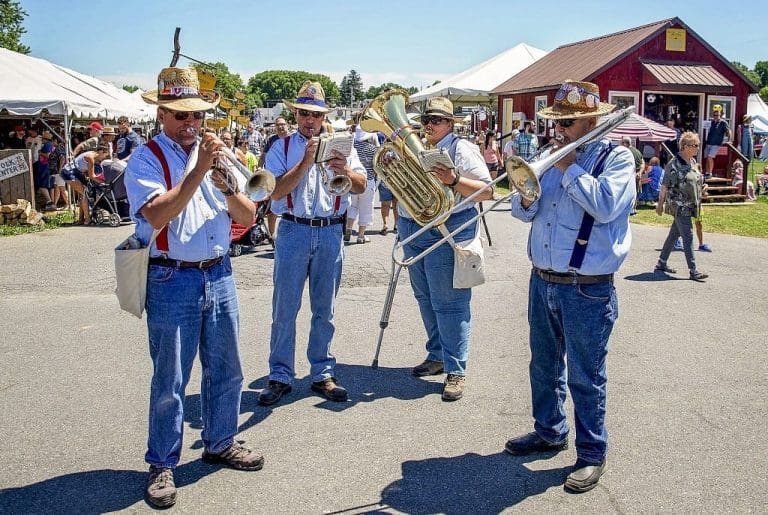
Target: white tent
757,109
29,84
473,85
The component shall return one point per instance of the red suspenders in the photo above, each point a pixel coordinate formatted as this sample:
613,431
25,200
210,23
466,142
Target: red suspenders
162,236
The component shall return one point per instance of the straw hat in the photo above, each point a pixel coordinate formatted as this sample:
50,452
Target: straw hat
106,131
310,97
576,99
178,89
438,106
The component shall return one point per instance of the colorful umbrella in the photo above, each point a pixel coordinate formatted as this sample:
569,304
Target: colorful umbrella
642,128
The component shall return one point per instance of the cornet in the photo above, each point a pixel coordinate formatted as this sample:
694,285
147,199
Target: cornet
334,184
259,185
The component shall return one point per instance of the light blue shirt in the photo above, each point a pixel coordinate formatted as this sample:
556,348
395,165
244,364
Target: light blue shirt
202,230
469,163
565,196
310,198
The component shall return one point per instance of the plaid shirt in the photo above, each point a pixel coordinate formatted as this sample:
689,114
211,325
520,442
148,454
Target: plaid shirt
525,145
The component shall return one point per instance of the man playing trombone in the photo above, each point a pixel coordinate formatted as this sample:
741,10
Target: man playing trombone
579,238
308,246
191,298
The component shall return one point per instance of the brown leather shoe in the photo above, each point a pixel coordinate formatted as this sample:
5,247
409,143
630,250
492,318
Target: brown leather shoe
331,389
584,476
428,368
237,457
454,387
161,490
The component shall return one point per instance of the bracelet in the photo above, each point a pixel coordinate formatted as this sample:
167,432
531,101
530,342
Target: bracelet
455,181
229,192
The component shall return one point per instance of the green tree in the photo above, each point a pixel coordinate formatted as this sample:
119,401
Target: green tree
761,69
351,88
764,93
273,86
11,26
751,75
130,89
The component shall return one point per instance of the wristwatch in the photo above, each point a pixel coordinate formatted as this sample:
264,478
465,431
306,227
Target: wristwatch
455,181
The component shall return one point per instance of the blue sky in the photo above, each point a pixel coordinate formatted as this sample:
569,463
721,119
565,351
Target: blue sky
412,42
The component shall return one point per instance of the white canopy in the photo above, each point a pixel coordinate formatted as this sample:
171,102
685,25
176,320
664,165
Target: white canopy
473,85
29,84
757,109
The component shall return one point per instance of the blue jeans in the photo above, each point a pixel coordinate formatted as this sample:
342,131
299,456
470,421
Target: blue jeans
303,252
571,324
189,309
444,309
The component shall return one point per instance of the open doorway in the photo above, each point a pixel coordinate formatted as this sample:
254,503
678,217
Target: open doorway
684,108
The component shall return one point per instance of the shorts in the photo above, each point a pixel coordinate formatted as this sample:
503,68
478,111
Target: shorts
59,181
492,167
385,195
711,150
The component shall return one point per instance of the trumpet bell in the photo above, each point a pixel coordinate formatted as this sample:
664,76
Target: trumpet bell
523,177
260,185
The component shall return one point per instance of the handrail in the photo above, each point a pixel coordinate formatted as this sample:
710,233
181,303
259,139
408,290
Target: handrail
745,173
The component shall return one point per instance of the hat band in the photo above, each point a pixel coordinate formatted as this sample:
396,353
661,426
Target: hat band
312,101
178,92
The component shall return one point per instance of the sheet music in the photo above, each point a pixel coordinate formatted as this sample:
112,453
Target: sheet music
429,158
341,142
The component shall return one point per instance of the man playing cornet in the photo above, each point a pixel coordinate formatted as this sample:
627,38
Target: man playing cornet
191,298
579,238
308,246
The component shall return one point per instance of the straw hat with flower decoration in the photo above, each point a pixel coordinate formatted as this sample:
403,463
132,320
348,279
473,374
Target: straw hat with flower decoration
576,99
178,89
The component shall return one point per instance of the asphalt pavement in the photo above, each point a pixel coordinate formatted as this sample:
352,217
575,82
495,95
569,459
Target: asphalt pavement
688,375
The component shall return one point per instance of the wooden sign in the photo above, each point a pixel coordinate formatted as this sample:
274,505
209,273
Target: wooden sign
207,79
16,176
243,120
239,95
234,112
240,107
226,104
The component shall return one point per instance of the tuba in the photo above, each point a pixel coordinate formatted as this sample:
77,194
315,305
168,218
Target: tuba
425,198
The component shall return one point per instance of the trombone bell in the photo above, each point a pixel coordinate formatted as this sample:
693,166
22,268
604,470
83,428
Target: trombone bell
523,177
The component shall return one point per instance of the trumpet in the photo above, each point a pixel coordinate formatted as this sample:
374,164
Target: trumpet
334,184
259,185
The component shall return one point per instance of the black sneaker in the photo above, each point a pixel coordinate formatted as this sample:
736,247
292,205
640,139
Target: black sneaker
662,267
237,457
532,443
161,490
273,392
698,276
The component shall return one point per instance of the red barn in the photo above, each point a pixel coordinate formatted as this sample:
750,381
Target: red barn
664,68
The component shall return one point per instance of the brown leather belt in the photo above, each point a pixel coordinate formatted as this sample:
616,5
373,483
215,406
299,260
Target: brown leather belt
314,222
177,263
573,278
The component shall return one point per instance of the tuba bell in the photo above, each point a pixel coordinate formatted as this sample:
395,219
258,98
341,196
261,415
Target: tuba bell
425,198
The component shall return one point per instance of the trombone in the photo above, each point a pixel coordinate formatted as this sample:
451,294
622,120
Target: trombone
524,178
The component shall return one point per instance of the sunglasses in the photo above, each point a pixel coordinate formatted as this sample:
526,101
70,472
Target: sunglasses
565,122
180,116
434,120
313,114
695,145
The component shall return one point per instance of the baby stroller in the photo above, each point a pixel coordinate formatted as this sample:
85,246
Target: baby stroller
241,236
108,200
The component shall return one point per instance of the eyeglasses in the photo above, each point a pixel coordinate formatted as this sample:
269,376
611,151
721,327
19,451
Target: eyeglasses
313,114
434,120
180,116
565,122
694,145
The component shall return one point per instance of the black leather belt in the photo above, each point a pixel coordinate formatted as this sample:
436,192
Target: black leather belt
574,278
176,263
314,222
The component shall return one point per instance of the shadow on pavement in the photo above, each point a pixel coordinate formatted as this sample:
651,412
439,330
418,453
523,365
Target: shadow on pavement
93,491
652,277
470,483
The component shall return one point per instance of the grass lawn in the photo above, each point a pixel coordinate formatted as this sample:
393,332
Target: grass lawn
52,221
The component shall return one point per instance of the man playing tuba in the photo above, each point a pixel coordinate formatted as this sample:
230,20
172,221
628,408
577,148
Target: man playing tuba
444,309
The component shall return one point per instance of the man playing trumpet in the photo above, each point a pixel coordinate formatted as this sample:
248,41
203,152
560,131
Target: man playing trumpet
308,246
191,301
579,238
